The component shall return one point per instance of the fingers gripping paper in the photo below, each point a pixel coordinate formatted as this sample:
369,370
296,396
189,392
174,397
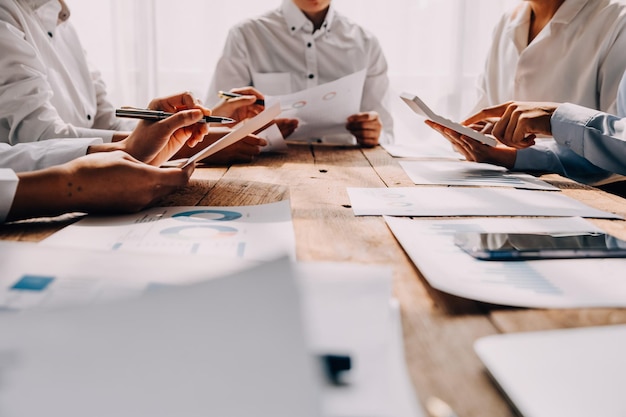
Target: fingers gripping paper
236,135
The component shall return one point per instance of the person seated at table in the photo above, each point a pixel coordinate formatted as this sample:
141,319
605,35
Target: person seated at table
53,178
555,51
48,89
303,44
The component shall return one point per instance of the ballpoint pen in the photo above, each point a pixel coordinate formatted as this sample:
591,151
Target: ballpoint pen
227,95
160,115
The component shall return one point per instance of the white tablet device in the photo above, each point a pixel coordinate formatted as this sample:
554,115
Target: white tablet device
419,107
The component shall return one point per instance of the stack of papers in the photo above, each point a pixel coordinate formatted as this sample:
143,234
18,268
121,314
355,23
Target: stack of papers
470,173
174,322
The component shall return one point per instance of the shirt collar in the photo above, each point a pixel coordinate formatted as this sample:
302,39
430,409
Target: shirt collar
568,11
47,11
565,14
297,20
36,4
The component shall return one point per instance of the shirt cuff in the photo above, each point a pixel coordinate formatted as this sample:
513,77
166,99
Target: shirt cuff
569,123
8,186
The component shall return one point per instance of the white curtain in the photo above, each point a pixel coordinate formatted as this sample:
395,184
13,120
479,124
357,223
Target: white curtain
148,48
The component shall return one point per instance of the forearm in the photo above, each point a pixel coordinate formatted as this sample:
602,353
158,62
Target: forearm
46,192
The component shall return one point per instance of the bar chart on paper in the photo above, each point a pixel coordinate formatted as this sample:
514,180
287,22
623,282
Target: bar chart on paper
230,232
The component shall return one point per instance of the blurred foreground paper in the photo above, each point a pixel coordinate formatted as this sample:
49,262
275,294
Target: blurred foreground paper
227,347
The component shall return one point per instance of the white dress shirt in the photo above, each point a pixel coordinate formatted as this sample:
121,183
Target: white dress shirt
34,156
278,53
47,88
578,57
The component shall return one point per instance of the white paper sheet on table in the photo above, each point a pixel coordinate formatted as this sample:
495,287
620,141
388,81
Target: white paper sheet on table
422,149
350,311
231,346
470,173
231,232
467,201
342,315
570,283
323,110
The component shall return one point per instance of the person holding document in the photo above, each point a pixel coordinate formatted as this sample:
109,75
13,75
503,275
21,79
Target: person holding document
303,44
49,90
62,175
586,39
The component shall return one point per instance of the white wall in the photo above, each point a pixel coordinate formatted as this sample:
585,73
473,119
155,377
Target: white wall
147,48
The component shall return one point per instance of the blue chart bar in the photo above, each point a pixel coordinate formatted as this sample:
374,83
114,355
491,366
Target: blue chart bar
32,283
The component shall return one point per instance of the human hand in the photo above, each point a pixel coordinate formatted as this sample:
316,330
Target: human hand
240,108
286,126
156,142
243,151
475,151
518,123
106,182
366,127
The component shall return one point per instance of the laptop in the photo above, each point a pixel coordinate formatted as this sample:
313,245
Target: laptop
572,372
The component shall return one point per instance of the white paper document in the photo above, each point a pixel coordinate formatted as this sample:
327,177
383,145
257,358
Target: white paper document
470,174
63,276
341,315
568,283
467,201
350,315
231,346
231,232
567,372
242,130
423,149
322,111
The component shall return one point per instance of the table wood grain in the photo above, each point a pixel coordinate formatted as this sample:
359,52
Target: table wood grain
439,329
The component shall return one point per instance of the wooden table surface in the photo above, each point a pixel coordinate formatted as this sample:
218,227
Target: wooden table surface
439,329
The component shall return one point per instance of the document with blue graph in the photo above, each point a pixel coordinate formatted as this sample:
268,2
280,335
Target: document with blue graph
253,233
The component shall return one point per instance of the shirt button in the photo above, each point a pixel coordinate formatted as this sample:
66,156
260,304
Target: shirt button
308,45
89,117
311,76
50,34
293,28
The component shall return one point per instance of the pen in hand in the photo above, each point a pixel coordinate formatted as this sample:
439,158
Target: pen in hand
227,94
160,115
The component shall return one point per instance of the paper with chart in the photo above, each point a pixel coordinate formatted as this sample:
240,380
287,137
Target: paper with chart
322,111
570,283
254,233
189,351
470,173
467,201
64,276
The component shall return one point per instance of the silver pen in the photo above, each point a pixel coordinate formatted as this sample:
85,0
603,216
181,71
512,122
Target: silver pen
145,114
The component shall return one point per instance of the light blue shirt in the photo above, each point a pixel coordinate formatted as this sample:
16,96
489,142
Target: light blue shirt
589,146
595,137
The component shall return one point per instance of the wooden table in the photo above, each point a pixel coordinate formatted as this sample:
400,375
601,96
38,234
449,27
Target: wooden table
439,329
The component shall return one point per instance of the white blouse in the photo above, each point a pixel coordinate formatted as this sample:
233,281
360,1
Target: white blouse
47,88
